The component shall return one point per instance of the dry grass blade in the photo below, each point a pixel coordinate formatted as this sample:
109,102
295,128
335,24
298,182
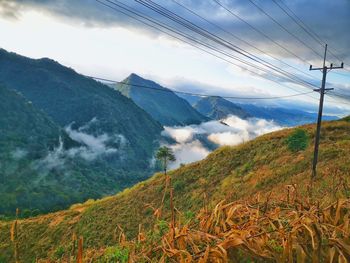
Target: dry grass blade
80,250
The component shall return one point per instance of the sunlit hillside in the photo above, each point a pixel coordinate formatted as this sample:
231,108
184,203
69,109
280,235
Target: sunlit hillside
275,167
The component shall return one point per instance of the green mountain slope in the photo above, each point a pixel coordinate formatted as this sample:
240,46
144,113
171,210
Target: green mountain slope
162,104
33,176
218,108
117,138
265,165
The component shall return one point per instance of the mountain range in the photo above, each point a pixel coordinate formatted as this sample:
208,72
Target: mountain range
281,115
161,103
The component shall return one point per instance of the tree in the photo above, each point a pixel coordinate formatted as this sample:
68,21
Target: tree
165,155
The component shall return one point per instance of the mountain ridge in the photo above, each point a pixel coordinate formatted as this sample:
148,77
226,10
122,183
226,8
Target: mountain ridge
285,116
161,103
218,108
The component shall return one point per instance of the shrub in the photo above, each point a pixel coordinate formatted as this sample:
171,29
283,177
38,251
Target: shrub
116,254
298,140
59,252
179,186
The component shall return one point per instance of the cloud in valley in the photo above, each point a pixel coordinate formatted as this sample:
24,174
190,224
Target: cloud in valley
92,147
192,141
19,153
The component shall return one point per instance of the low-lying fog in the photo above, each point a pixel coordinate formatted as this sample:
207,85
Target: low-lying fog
195,142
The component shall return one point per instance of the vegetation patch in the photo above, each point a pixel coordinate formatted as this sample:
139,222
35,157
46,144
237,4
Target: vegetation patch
298,140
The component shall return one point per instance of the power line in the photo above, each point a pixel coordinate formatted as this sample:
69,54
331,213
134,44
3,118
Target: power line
240,39
341,95
203,32
261,32
336,99
196,94
190,44
342,74
284,28
298,23
133,12
308,29
319,39
193,46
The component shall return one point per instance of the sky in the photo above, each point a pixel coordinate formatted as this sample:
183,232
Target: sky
98,41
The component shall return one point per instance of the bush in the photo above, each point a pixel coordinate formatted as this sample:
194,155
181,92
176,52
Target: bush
179,186
115,254
59,252
298,140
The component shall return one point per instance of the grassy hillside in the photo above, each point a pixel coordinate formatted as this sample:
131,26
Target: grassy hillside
265,166
161,103
117,137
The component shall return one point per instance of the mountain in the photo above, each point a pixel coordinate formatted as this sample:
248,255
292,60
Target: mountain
161,103
283,116
264,169
218,108
114,135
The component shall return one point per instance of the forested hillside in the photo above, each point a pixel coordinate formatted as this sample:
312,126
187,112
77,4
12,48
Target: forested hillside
114,139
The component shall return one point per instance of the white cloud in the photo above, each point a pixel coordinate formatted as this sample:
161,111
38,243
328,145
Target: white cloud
191,140
19,153
180,134
188,153
53,160
92,147
228,138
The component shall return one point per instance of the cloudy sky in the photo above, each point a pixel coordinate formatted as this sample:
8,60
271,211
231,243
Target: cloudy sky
101,41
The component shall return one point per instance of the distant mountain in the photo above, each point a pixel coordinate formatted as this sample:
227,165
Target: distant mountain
161,103
191,99
114,135
283,116
218,108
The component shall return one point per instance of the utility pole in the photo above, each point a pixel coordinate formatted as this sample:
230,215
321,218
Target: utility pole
322,91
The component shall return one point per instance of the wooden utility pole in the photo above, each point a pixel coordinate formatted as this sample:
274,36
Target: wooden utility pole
322,91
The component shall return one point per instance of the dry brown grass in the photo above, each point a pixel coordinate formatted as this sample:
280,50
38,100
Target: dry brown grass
259,230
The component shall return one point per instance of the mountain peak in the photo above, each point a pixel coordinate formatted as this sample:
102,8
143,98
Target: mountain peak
219,108
161,103
134,76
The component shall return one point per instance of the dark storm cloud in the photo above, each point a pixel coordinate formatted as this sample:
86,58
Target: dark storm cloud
330,19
